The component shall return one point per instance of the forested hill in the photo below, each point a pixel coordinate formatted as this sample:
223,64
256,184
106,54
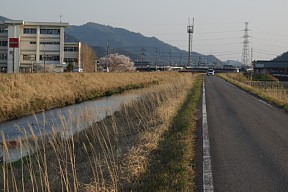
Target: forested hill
282,57
132,44
3,18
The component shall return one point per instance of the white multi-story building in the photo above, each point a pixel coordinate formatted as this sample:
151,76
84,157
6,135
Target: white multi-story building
72,53
26,44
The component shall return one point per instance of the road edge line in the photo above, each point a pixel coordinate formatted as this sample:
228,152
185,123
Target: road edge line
207,168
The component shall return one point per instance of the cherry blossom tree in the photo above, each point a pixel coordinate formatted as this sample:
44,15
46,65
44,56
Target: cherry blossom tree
116,63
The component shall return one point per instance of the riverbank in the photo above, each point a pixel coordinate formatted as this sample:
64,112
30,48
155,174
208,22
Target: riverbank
172,168
24,94
112,155
271,91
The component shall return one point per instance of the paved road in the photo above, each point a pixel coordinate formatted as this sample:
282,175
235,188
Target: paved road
248,140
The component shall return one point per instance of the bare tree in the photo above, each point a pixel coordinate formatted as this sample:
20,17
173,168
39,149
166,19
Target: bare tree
116,63
88,58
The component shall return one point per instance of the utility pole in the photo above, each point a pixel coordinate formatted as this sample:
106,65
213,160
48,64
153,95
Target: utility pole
61,16
170,55
251,55
142,57
44,57
180,62
245,53
190,31
107,49
156,58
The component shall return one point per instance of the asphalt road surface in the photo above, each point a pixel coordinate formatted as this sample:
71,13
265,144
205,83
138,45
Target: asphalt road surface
248,140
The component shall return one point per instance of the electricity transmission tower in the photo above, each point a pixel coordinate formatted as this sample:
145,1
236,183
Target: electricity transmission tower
190,31
245,53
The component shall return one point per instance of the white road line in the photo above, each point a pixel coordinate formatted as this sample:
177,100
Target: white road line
207,168
251,95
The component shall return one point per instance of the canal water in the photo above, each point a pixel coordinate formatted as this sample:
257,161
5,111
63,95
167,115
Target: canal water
73,118
66,120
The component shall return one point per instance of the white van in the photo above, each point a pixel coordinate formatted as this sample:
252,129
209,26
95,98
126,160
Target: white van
210,72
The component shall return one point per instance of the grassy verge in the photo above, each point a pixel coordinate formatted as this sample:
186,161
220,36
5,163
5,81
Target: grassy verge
273,93
111,155
24,94
172,164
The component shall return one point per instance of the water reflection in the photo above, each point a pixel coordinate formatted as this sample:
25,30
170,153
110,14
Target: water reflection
73,118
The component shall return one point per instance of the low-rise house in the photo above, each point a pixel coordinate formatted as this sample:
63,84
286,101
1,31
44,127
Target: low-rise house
271,67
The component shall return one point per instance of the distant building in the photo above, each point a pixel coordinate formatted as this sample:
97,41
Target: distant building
72,54
26,44
271,67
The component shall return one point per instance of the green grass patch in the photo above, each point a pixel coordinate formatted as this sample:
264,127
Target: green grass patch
171,166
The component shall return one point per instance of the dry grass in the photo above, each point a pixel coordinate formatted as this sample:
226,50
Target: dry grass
22,94
271,91
112,155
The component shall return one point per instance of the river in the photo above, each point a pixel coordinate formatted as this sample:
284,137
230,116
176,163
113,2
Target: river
66,120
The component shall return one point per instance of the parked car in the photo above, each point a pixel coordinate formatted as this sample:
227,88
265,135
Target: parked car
210,72
77,69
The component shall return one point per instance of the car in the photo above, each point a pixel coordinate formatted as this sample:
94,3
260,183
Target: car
210,72
77,69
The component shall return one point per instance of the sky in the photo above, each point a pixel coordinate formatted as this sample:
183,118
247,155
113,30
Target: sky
218,28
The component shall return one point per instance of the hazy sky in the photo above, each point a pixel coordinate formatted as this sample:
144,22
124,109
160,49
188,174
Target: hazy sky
219,24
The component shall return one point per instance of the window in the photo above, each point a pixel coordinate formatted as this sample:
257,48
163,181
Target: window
29,57
50,43
29,31
3,56
32,42
3,30
3,43
70,60
71,49
50,57
50,31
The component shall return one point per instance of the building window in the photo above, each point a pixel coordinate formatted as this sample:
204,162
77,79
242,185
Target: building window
29,31
3,43
70,60
32,42
50,57
3,30
50,31
3,56
50,43
29,57
71,49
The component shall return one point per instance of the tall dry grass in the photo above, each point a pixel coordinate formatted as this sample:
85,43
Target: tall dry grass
112,155
22,94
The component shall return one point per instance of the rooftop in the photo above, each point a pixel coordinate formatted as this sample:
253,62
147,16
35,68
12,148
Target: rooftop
29,23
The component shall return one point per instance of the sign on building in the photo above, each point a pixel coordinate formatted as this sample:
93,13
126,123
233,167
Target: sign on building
13,42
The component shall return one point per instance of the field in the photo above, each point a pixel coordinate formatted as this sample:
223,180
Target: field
122,152
23,94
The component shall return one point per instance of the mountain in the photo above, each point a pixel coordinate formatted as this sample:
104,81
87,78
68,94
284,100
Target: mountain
234,63
103,39
135,45
3,18
70,38
282,57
